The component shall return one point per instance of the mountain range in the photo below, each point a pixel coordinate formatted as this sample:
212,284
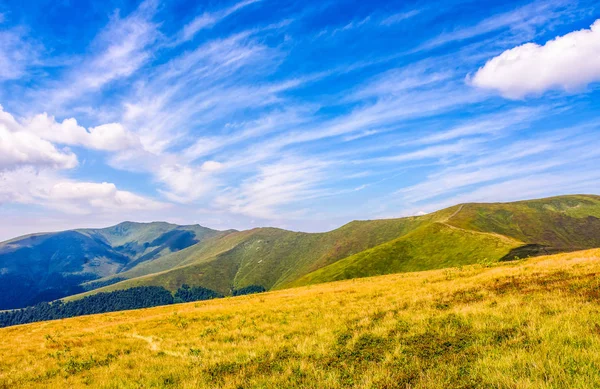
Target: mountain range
72,264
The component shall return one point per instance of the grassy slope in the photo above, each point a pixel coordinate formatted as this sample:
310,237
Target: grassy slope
564,223
478,233
433,246
525,324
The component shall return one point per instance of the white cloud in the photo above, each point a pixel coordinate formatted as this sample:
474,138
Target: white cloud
569,62
566,150
112,136
433,152
43,187
528,187
196,88
29,164
398,82
109,137
505,122
123,47
22,148
211,166
19,147
104,196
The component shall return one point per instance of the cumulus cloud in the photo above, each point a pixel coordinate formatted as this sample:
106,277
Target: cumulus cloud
19,147
568,62
29,164
32,142
26,185
98,195
109,137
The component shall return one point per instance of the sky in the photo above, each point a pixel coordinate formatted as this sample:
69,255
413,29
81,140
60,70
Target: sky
302,115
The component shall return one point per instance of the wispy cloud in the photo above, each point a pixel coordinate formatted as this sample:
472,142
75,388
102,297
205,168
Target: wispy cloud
399,17
496,123
369,21
18,53
557,150
209,19
122,48
277,184
525,18
266,118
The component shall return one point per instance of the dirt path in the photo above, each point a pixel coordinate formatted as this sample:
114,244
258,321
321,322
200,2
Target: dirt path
150,340
504,238
154,345
454,214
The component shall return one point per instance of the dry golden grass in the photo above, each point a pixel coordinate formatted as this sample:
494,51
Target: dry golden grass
528,324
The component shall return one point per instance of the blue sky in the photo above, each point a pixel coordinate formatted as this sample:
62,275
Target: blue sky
301,115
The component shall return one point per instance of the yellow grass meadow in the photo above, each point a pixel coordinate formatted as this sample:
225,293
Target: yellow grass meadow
528,324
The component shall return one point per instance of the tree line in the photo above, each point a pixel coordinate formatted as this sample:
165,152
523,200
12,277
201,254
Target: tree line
119,300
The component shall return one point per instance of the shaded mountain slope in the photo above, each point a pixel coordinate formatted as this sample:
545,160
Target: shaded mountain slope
49,266
146,241
44,267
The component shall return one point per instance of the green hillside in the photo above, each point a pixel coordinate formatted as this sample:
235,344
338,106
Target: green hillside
563,223
434,246
479,233
268,257
459,235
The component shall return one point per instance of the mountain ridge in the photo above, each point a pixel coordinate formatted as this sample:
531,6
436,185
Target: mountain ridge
168,255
